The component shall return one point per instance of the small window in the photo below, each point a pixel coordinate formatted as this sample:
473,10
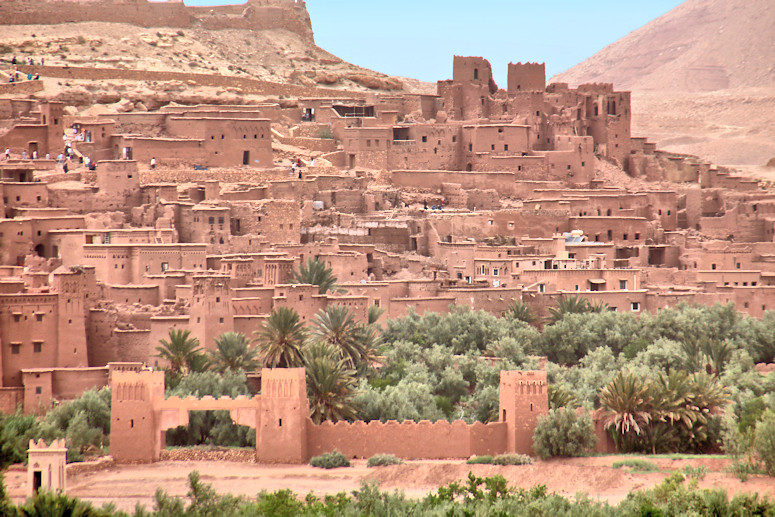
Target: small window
38,390
16,348
39,317
635,306
220,220
424,139
220,320
211,220
506,147
37,346
713,266
623,284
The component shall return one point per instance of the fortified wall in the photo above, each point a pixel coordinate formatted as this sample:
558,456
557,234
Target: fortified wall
254,15
140,415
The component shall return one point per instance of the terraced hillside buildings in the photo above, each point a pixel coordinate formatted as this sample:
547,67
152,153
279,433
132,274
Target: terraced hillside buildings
194,217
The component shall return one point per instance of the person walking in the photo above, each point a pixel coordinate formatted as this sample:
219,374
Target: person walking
153,163
7,153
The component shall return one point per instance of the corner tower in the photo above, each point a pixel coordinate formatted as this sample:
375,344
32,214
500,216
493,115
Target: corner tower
523,398
282,421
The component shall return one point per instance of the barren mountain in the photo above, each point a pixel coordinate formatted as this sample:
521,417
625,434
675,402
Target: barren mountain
702,76
700,45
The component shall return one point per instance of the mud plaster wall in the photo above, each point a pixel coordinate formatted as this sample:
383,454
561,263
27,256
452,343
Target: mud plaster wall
407,439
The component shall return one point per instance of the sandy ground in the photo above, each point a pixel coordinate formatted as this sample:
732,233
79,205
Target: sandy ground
128,485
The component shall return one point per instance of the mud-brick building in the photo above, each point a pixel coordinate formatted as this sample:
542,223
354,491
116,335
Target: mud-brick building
45,326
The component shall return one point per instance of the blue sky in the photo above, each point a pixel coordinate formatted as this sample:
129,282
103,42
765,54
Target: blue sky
418,38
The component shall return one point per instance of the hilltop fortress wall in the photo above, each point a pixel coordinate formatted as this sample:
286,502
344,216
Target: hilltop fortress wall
254,15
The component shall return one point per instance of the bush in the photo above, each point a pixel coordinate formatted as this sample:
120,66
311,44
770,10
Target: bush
383,460
636,465
764,443
479,460
330,460
563,432
742,470
16,430
697,473
512,459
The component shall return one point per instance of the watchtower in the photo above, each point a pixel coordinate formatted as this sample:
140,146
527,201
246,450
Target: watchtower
523,398
282,431
134,430
211,311
526,77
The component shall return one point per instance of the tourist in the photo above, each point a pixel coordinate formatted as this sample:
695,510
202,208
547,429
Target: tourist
60,159
37,77
153,163
7,154
42,62
13,60
87,162
34,155
24,155
293,169
64,167
299,172
48,156
29,76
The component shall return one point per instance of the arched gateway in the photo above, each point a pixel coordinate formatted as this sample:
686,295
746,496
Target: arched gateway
284,433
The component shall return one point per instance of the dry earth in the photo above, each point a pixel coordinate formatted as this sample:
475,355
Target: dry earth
127,485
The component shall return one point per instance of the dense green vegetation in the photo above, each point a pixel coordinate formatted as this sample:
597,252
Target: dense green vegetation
476,496
680,380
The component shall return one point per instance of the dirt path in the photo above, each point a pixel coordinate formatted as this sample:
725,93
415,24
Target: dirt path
128,485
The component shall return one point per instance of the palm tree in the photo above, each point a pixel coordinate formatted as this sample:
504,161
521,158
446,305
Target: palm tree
182,352
233,352
336,326
568,305
627,405
560,398
280,339
316,273
330,384
375,312
518,310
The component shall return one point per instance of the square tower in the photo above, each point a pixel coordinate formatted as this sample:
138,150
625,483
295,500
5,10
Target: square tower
523,398
282,421
135,430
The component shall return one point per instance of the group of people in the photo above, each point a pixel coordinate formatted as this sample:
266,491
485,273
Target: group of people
16,76
30,61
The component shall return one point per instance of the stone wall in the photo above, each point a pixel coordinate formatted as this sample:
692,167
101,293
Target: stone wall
253,15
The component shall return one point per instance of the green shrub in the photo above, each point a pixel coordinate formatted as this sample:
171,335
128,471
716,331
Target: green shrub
330,460
764,443
742,470
16,430
512,459
479,460
636,465
563,432
697,473
383,460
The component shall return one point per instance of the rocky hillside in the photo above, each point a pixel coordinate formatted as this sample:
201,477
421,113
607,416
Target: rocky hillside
701,45
703,79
